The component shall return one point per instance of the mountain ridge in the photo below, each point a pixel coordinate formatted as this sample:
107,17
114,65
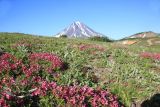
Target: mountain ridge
146,34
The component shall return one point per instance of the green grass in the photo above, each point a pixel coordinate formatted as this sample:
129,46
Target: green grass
118,68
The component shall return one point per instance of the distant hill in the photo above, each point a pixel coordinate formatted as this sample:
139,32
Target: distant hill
148,34
143,38
78,30
17,34
12,33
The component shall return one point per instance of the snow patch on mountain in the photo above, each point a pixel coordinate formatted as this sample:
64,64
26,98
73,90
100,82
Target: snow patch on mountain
78,30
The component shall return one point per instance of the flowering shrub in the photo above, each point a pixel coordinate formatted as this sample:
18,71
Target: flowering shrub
20,83
85,96
17,78
55,61
155,56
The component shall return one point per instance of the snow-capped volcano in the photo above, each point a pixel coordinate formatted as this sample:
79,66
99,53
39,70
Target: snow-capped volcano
78,30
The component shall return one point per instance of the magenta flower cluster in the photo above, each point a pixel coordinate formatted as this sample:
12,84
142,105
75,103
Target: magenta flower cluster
17,76
155,56
55,61
85,96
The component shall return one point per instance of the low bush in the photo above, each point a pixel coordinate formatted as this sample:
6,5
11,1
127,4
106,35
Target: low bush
102,39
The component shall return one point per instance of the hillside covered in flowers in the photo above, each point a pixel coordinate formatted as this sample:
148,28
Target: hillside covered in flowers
38,71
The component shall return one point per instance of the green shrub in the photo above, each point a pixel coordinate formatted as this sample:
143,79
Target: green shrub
102,39
63,36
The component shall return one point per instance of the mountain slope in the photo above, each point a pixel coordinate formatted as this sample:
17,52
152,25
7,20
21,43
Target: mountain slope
78,30
148,34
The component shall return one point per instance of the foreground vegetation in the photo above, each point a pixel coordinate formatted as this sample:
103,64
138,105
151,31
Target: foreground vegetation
48,71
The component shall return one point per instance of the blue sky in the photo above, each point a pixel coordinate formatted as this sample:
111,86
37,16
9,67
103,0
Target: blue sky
114,18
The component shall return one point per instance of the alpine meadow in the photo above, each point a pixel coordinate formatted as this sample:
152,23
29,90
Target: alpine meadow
79,53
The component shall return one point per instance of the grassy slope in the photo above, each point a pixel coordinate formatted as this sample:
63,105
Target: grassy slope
118,67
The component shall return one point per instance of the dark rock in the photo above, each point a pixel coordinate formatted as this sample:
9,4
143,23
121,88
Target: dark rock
154,101
1,51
